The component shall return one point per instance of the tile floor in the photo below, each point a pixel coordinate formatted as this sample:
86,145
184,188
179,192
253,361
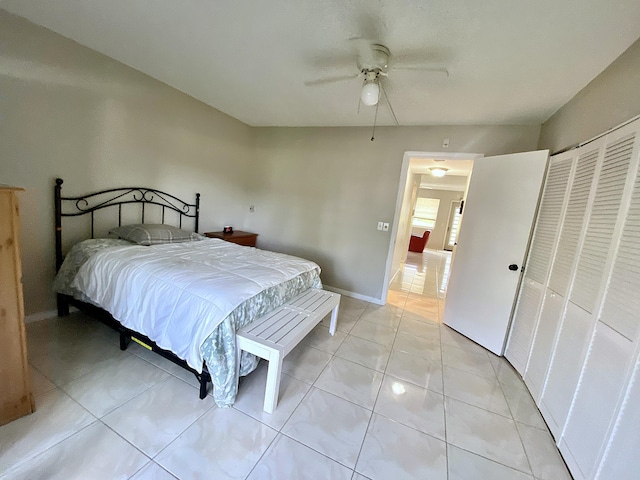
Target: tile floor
394,394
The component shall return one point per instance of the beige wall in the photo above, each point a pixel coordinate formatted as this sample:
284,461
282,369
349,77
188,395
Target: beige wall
403,230
319,192
612,98
67,111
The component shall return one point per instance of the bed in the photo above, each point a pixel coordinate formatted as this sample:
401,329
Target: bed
183,297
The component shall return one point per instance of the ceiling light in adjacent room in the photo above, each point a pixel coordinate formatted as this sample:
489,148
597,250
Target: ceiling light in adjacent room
370,93
438,171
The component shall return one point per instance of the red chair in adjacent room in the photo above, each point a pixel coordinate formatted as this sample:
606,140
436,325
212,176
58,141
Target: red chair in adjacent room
417,244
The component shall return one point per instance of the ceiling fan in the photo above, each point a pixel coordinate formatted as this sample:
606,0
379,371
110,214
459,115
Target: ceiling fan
372,62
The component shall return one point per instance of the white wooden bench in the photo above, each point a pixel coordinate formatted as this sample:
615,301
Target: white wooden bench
275,334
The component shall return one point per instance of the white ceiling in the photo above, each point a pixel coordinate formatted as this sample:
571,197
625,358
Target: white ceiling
510,62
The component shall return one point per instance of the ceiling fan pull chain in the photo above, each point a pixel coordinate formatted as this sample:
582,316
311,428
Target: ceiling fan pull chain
386,97
375,118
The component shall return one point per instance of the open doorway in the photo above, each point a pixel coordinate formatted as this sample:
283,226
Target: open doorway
495,230
431,204
435,210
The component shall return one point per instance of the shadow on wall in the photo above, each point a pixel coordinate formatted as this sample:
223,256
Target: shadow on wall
326,262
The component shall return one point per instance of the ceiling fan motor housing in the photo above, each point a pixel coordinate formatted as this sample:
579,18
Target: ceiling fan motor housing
376,59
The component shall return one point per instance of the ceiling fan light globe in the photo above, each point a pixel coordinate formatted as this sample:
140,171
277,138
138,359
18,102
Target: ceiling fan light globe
370,93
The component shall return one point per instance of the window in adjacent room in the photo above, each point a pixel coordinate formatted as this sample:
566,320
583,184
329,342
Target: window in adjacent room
425,214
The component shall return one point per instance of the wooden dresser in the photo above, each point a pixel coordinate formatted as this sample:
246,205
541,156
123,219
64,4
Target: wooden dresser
241,238
16,399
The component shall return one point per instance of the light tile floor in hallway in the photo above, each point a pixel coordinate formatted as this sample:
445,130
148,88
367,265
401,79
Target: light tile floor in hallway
394,394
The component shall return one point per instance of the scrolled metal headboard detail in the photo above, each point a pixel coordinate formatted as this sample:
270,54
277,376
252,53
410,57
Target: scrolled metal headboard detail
117,197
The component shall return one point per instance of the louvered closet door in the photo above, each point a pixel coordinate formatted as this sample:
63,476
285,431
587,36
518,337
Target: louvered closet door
562,268
538,260
580,317
549,216
621,310
524,320
621,454
574,220
611,355
545,337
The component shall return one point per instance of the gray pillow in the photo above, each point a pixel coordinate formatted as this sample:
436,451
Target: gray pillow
151,234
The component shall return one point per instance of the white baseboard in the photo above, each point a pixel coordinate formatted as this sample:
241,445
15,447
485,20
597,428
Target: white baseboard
393,277
347,293
36,317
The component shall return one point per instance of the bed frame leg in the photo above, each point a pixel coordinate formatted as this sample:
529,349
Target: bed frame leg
125,339
204,378
63,306
203,387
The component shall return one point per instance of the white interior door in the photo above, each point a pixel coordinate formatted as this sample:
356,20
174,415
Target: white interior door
497,220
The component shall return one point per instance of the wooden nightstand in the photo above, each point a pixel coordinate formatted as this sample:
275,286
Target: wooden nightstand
241,238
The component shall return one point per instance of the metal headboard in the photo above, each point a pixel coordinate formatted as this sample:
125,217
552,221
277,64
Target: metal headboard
117,197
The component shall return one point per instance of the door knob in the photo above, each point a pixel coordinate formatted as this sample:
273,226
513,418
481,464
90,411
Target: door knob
513,267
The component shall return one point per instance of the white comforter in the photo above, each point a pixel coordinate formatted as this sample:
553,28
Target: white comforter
177,294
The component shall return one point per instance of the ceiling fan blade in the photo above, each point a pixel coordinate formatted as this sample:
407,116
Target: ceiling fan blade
323,81
418,68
